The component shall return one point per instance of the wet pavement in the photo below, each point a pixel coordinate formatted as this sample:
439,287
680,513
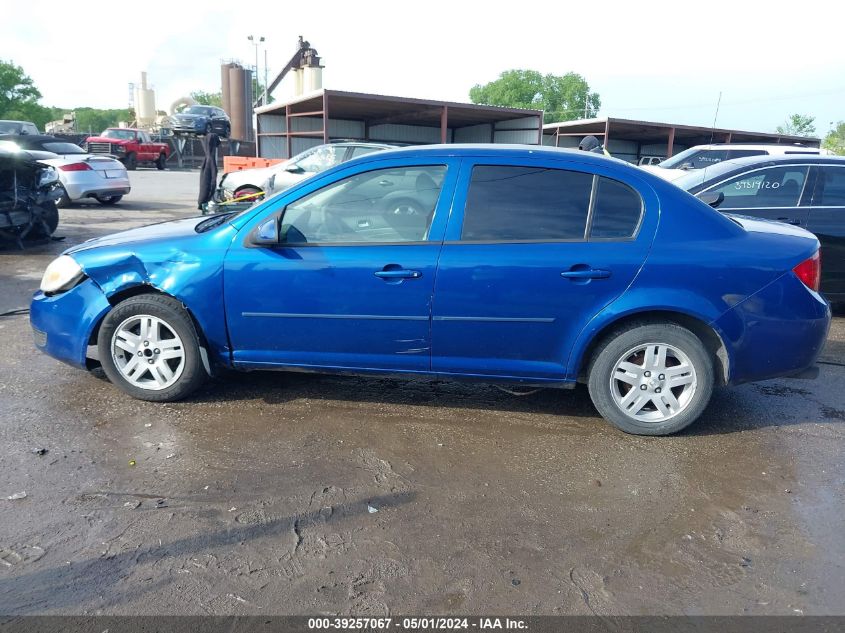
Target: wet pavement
282,493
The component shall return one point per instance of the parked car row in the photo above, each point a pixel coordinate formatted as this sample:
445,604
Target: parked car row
82,175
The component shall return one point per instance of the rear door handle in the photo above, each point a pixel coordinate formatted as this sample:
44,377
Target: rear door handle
590,273
398,274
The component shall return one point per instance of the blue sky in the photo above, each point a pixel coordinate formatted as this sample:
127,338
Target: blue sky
657,61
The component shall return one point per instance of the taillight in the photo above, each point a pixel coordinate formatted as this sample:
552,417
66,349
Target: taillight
76,167
810,271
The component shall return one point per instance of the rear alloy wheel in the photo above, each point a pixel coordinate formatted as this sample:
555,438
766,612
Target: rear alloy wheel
161,162
150,349
652,379
108,200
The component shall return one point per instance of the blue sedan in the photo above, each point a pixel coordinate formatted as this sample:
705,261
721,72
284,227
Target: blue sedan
506,264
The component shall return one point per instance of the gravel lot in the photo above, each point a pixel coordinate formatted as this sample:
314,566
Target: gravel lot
277,493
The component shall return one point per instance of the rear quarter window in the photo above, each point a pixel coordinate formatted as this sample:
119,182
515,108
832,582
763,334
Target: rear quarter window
616,211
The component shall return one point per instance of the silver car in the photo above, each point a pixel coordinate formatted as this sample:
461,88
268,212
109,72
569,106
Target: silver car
82,175
268,181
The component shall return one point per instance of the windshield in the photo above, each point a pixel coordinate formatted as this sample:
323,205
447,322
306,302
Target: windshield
10,127
123,135
58,147
195,109
697,158
319,158
695,177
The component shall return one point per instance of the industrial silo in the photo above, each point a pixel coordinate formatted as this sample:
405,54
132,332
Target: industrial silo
145,103
238,85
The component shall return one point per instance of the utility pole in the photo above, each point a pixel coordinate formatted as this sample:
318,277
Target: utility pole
256,42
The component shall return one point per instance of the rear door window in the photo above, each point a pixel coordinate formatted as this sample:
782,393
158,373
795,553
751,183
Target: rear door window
510,203
832,187
770,187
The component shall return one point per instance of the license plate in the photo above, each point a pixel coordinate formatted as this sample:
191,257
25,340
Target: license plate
114,173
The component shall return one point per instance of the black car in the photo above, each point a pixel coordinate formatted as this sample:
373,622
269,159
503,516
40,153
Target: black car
201,120
807,191
28,193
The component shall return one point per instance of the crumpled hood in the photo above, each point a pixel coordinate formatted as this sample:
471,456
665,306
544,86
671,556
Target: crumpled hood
151,233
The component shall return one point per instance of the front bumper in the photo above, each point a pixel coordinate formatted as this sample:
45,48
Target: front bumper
194,127
63,324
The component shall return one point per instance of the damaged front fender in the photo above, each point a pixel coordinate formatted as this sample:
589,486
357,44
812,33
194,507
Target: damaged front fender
189,269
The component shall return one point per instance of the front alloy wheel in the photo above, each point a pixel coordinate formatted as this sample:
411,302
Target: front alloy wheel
149,348
148,352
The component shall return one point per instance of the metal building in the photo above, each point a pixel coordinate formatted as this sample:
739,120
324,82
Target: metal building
289,127
635,140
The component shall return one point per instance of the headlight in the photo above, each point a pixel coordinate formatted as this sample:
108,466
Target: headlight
63,273
47,176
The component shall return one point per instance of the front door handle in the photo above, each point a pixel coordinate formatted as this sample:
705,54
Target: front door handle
588,273
792,221
398,274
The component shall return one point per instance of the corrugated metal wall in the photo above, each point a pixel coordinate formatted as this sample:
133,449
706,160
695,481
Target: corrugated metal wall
405,133
473,134
276,147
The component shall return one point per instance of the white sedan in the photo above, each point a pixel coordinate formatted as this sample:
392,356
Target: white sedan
82,175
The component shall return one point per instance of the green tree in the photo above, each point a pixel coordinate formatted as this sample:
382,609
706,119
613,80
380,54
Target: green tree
835,139
19,96
798,125
208,98
562,97
95,120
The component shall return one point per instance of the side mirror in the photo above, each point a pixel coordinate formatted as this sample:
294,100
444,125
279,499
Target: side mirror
267,233
294,169
712,198
686,166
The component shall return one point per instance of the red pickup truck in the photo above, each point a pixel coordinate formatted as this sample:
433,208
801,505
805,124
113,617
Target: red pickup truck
130,146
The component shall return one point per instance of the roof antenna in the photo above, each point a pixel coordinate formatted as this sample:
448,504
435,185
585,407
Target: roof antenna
715,116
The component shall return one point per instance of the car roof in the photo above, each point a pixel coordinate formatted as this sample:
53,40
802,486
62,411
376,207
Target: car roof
728,168
502,150
782,146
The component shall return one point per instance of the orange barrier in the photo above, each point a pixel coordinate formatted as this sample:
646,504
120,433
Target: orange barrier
238,163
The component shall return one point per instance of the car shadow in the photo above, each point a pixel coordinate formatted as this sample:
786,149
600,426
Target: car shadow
731,410
67,585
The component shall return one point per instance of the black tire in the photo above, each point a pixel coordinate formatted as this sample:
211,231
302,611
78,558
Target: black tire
65,201
174,315
108,200
245,191
46,217
130,161
161,162
616,348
